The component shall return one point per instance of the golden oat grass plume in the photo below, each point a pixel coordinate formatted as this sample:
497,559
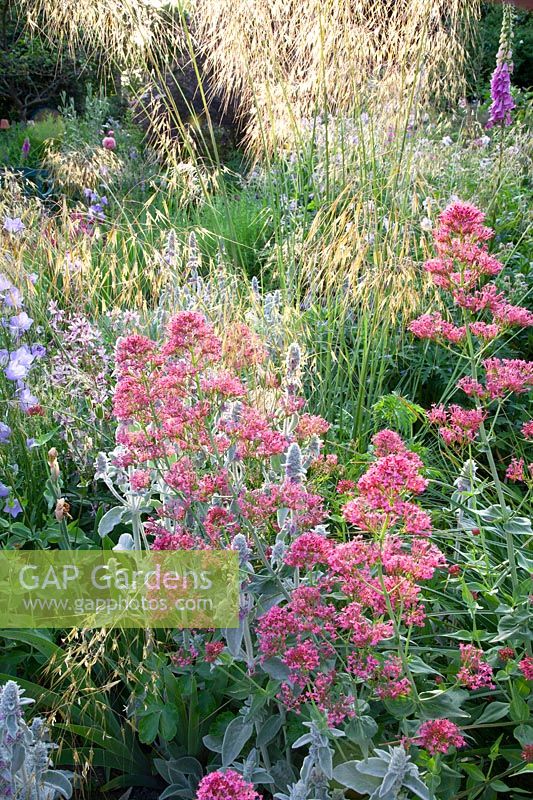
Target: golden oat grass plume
351,252
282,60
115,32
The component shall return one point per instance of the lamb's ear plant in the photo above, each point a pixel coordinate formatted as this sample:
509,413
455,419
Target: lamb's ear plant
26,772
388,775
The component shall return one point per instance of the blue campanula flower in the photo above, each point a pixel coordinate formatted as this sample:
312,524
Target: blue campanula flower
13,507
38,350
5,432
13,225
20,361
20,323
26,399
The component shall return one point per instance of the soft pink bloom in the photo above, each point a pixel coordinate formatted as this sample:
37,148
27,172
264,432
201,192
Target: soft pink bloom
485,330
213,650
527,753
190,332
471,387
438,735
309,549
507,375
457,425
507,314
474,673
301,660
140,479
463,219
109,142
487,298
228,785
516,470
433,326
526,666
527,429
311,425
506,654
386,442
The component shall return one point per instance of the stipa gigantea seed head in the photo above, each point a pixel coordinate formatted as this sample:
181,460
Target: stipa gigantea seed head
258,54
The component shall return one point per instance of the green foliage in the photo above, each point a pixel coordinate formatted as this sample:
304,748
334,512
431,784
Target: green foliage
33,70
483,51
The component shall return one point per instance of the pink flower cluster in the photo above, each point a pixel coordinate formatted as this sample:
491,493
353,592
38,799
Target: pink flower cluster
502,377
384,490
438,735
526,665
368,577
189,407
228,785
527,429
516,471
474,673
434,327
457,425
462,262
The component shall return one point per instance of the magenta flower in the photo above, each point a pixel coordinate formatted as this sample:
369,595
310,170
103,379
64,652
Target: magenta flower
26,146
500,85
438,735
227,785
502,99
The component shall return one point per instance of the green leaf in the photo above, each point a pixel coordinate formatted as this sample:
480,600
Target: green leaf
276,668
361,730
148,726
520,526
419,667
58,781
493,712
519,709
110,520
168,724
499,786
236,735
473,771
348,775
523,734
269,730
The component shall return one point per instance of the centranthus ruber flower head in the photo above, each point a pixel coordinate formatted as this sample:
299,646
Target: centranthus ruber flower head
457,425
474,673
507,375
438,735
386,442
527,429
526,667
228,785
516,470
434,327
